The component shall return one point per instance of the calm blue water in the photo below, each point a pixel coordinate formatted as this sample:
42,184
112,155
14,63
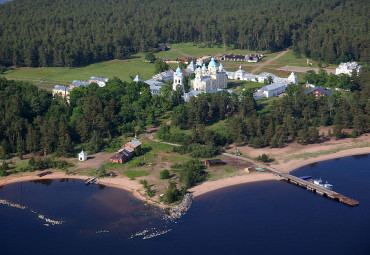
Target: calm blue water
269,217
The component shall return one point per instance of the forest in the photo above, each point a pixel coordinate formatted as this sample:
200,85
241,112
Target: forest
295,117
31,121
37,33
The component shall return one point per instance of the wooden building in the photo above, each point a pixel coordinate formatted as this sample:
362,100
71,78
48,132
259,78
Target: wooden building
214,162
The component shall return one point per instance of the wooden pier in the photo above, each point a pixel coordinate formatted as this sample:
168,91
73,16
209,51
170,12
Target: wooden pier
304,184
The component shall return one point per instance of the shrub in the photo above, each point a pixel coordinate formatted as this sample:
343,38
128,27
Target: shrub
165,174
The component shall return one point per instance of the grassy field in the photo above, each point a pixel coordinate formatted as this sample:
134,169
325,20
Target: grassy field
238,86
135,174
48,77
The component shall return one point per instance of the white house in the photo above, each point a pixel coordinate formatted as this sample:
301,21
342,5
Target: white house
82,156
62,91
99,80
271,90
347,68
164,76
154,86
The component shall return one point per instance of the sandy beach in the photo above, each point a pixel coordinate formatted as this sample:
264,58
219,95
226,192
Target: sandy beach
282,155
235,180
118,182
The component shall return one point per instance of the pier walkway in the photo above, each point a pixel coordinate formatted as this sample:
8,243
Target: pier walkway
302,183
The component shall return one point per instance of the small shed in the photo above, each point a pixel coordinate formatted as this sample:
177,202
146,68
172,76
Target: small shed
250,170
214,162
82,156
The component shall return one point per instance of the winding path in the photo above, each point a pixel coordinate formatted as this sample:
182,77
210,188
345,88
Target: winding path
267,62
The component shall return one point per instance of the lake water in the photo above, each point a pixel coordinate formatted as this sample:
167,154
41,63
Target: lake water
270,217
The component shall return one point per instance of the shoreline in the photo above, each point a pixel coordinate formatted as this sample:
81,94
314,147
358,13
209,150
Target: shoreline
134,187
292,165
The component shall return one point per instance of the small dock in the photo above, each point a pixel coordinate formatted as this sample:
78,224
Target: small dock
314,188
304,184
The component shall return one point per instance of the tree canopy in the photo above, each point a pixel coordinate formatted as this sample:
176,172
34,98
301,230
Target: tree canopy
80,32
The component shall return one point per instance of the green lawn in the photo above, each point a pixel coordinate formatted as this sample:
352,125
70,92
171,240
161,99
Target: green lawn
238,86
50,76
135,174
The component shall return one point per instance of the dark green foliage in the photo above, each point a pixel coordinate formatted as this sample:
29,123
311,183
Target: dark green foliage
3,168
149,56
32,121
42,164
172,194
263,158
160,66
149,192
76,32
165,174
190,172
342,81
294,117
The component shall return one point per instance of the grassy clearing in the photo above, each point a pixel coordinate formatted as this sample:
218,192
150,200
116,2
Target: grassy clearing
49,76
238,86
135,174
225,172
326,152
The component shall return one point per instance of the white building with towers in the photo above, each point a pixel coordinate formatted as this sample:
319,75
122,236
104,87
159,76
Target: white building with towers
209,79
178,79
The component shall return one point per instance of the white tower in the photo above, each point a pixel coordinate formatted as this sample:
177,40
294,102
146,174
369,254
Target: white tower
178,79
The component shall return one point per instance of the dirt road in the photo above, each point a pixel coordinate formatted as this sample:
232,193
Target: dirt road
267,62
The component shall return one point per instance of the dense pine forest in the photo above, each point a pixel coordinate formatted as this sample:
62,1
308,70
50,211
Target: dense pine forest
79,32
32,121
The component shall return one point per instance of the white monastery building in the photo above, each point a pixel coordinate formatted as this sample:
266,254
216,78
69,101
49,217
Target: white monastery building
274,89
243,76
211,78
347,68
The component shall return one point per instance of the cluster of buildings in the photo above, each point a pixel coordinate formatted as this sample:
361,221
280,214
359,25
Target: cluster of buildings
347,68
209,79
64,90
250,57
213,78
277,87
126,152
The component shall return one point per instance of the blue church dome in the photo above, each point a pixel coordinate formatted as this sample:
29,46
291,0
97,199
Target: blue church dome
178,71
212,63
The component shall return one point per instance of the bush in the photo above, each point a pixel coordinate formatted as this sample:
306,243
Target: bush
190,172
263,158
149,192
172,194
165,174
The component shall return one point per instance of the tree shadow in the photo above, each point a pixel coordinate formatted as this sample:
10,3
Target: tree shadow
146,150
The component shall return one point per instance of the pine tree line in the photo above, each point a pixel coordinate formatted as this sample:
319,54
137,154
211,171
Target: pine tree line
79,32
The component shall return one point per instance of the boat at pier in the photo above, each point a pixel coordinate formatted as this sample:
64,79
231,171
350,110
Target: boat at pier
320,183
